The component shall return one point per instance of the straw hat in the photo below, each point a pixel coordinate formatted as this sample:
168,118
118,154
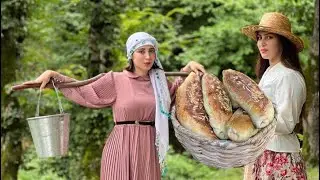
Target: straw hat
277,23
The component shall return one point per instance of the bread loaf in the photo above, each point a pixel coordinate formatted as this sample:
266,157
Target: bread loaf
240,127
234,104
245,92
189,107
217,104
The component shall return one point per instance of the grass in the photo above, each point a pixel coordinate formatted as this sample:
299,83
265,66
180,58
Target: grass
313,173
33,172
180,167
221,174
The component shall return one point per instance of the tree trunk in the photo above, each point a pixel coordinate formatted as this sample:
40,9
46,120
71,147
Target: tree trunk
12,124
311,122
8,60
11,149
103,34
102,38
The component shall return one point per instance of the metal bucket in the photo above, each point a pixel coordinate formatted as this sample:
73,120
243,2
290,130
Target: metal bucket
50,134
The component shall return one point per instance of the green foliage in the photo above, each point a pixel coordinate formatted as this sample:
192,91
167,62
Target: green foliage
59,37
159,25
10,115
222,45
14,15
313,172
33,167
218,47
182,166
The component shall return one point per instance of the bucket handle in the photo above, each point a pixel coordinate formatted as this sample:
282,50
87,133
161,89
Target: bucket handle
60,105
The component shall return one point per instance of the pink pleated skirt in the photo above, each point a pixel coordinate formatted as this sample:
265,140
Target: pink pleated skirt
130,154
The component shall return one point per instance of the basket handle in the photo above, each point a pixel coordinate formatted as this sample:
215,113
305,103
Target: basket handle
59,101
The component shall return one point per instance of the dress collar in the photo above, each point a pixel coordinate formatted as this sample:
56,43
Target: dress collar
136,76
269,70
274,67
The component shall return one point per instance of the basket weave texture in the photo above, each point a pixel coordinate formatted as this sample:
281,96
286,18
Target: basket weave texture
223,153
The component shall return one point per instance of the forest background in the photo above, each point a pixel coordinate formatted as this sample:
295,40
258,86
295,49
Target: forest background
82,38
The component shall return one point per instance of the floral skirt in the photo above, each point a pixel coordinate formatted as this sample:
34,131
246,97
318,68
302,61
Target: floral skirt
276,166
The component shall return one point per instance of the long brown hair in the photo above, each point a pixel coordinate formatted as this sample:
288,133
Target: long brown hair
289,58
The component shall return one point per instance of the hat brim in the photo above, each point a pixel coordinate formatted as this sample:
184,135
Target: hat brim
251,30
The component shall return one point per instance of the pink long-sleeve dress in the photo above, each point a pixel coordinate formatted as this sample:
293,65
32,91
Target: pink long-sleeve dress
129,152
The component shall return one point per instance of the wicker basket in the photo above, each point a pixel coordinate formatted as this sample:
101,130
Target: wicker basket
223,153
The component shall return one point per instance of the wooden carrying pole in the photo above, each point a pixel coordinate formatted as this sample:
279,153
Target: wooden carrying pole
79,83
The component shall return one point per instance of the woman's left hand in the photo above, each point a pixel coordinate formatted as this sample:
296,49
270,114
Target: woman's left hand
195,67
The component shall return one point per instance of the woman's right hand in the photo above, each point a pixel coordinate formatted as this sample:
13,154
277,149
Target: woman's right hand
195,67
44,79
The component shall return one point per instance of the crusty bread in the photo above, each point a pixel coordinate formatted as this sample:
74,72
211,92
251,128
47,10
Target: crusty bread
217,104
189,107
244,91
234,104
240,127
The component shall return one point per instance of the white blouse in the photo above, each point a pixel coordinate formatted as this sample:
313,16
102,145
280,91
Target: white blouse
286,89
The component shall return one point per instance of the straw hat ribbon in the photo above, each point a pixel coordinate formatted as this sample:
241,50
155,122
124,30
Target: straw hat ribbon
277,23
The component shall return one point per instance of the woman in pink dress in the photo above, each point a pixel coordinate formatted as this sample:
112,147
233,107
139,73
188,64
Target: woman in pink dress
140,98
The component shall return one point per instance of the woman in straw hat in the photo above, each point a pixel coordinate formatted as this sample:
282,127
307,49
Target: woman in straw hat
140,98
282,80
